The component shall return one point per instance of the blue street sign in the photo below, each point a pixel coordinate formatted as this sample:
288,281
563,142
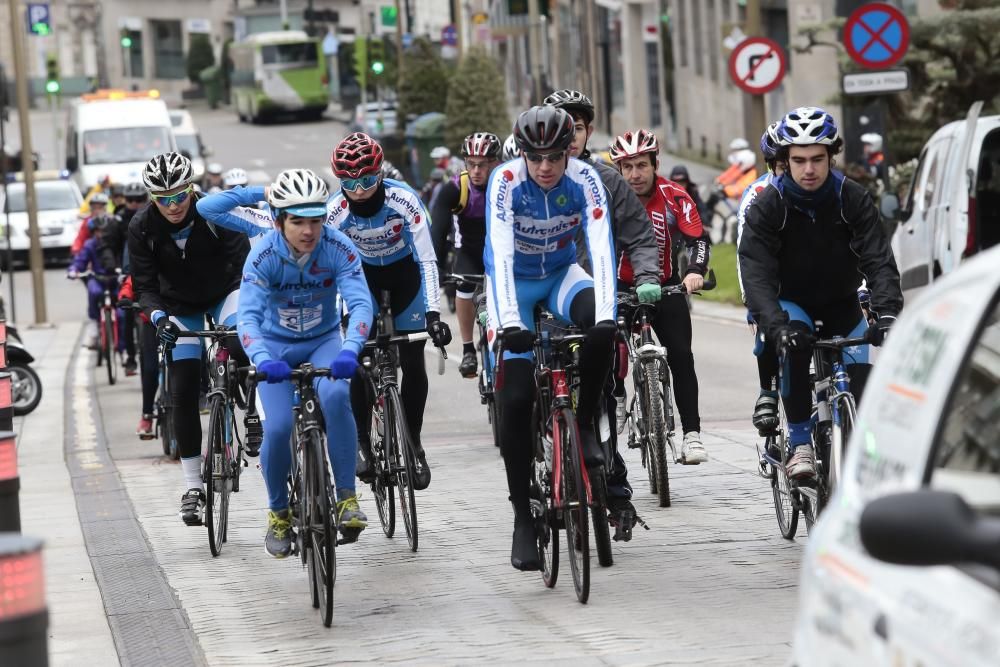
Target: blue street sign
38,19
876,35
449,36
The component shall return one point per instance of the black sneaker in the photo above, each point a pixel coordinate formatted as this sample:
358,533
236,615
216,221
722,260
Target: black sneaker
765,414
255,433
192,507
364,470
422,474
524,550
469,368
622,517
278,541
131,368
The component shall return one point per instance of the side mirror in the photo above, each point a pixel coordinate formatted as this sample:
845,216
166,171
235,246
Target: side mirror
206,151
889,206
71,163
929,528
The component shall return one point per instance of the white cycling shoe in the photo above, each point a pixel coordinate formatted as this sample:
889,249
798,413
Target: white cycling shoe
692,451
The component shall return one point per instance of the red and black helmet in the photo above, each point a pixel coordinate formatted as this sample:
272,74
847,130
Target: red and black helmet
355,156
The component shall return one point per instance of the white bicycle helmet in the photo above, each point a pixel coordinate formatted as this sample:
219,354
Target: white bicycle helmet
807,126
299,192
510,149
167,171
234,177
745,158
738,144
633,144
214,168
873,139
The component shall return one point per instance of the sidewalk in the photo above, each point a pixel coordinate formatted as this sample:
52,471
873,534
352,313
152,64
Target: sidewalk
78,627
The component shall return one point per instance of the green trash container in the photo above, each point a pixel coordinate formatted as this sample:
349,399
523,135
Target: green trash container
423,134
211,81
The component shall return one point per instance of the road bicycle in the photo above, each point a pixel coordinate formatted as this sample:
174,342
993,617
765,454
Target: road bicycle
650,415
833,418
108,347
393,458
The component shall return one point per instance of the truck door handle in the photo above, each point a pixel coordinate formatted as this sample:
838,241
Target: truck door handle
910,229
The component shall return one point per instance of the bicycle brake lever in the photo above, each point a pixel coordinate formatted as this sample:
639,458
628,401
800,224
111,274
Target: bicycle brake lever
441,358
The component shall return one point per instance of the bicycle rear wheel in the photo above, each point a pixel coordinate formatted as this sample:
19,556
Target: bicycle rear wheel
656,436
574,497
786,509
108,347
321,554
402,461
599,517
218,481
382,484
165,424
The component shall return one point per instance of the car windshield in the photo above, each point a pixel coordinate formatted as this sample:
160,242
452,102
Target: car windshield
124,144
176,119
52,196
302,53
188,145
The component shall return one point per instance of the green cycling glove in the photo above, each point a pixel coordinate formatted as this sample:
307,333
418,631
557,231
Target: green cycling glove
648,293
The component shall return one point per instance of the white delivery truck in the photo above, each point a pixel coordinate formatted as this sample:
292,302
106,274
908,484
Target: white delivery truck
113,133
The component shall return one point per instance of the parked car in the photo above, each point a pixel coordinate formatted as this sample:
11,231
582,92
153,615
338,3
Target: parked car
189,141
952,208
921,487
59,201
366,119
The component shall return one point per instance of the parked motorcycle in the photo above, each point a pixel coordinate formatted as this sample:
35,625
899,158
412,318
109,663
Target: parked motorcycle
26,386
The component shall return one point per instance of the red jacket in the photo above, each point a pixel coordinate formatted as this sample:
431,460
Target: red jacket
670,208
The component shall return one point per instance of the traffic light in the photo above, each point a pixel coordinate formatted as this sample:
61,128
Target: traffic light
361,60
376,55
52,86
126,38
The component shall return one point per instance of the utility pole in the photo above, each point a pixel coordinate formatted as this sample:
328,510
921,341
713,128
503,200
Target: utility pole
756,120
535,50
399,44
457,9
28,163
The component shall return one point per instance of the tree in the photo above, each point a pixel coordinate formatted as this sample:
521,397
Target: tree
477,99
199,56
424,87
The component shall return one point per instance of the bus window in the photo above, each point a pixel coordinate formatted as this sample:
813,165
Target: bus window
302,53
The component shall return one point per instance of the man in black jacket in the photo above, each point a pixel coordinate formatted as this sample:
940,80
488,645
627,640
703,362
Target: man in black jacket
634,235
182,269
806,245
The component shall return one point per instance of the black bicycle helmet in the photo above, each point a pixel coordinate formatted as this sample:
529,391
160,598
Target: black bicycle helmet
100,223
572,101
167,171
134,189
543,129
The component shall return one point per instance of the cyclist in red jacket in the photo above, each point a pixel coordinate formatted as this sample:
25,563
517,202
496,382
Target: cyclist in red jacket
670,210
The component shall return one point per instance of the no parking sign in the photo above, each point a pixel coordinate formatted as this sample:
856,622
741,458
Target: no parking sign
757,65
876,35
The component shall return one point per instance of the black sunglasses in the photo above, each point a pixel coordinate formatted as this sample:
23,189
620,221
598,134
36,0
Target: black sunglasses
548,157
136,200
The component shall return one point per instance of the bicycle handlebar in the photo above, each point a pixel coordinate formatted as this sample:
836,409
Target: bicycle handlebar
300,374
629,298
458,278
383,342
840,343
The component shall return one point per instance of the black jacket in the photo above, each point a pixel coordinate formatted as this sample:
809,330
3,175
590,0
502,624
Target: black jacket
189,282
633,231
786,254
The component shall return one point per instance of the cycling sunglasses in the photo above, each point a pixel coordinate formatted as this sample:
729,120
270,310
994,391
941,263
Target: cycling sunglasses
365,182
136,200
548,157
176,198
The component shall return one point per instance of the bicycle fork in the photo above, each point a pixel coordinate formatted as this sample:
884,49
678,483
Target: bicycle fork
561,400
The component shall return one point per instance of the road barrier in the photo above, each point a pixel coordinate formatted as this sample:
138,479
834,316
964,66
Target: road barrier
24,618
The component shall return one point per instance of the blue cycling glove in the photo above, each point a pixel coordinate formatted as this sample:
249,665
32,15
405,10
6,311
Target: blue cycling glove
275,370
345,365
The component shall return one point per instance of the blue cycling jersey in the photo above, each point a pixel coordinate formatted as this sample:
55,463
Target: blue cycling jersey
236,209
291,298
399,230
530,233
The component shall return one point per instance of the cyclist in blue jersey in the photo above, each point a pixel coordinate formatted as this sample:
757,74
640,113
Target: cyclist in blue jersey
765,410
391,228
534,206
464,198
288,315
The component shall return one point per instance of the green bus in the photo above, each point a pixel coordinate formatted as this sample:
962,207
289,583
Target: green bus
278,72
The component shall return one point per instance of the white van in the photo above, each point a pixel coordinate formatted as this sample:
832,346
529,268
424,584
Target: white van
952,209
113,133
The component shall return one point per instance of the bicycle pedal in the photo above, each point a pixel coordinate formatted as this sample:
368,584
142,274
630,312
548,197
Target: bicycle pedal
349,535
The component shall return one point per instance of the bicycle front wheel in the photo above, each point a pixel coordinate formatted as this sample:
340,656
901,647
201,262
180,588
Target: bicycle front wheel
656,435
322,538
218,480
402,460
574,498
599,517
786,509
542,507
382,484
108,347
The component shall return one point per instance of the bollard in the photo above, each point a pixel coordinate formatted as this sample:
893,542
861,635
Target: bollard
6,391
10,484
24,619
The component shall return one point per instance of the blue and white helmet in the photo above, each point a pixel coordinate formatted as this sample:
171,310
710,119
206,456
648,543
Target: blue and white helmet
769,141
807,126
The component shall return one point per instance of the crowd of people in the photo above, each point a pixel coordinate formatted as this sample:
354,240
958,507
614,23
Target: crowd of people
544,223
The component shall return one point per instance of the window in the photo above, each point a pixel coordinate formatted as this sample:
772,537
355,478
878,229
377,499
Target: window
679,27
132,56
168,50
967,456
302,53
189,145
713,41
130,144
50,195
698,31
